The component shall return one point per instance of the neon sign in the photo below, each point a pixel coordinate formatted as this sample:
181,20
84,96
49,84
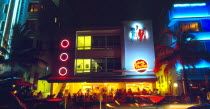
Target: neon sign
63,71
64,43
138,34
141,65
64,57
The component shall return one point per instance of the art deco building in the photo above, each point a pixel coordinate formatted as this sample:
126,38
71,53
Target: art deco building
187,16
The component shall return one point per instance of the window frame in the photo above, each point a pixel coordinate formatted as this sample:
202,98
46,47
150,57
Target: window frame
97,68
33,7
105,45
189,28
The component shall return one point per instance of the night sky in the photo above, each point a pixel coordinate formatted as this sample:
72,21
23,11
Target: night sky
110,12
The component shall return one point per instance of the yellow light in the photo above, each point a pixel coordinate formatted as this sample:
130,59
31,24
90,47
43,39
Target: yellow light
175,85
105,84
55,20
117,102
13,85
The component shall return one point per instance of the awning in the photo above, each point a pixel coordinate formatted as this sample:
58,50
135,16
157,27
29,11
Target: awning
20,82
103,79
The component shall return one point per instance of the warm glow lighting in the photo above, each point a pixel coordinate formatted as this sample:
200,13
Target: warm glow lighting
141,65
175,85
55,19
64,57
64,43
63,71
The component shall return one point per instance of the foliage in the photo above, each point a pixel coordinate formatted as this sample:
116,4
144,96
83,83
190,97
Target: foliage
187,51
22,55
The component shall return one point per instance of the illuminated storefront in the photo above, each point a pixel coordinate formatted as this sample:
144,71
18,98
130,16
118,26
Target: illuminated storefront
107,59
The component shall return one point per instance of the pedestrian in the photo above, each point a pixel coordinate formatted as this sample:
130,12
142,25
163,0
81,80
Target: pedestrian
69,97
39,95
60,95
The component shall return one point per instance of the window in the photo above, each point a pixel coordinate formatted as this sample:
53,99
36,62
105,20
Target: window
113,42
33,7
2,25
206,45
83,42
6,8
97,42
31,24
113,64
97,65
205,24
194,26
82,65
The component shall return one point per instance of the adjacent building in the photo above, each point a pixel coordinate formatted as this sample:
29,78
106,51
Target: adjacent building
184,17
39,16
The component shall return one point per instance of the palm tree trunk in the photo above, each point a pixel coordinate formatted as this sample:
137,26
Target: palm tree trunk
185,82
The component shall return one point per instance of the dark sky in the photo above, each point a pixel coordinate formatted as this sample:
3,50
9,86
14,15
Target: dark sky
110,12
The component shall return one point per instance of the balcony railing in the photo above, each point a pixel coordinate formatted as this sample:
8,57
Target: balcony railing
33,15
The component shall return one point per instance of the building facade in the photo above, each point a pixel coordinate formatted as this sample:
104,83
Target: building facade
111,58
41,18
184,17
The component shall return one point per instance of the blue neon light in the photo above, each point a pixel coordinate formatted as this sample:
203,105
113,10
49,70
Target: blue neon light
189,10
188,5
201,35
201,64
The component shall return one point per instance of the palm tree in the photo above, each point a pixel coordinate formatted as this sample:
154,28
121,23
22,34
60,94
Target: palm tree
187,51
21,55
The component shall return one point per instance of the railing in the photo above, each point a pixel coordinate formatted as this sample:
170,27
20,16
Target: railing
33,15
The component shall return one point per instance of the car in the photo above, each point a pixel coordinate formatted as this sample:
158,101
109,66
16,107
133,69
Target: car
44,103
152,102
8,100
201,106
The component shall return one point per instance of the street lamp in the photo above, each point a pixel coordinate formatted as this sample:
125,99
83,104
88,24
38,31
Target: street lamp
175,85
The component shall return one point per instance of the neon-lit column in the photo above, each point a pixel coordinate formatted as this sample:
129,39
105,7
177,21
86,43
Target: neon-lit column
62,71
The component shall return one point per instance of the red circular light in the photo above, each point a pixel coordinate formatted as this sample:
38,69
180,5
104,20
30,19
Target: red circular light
63,71
141,65
64,57
65,43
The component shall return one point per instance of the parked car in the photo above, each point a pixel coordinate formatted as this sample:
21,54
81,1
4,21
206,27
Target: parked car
174,102
8,100
44,103
152,102
201,106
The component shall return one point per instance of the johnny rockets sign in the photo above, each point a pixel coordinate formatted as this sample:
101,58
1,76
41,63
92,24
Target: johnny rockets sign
141,65
137,33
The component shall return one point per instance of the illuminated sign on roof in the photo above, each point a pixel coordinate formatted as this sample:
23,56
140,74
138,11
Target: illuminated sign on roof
138,33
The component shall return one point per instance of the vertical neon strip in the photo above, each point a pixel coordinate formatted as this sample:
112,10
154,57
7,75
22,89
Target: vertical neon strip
14,15
18,12
6,22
